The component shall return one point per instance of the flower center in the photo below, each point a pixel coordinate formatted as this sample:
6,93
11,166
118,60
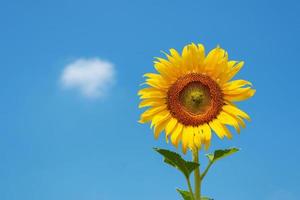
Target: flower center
195,99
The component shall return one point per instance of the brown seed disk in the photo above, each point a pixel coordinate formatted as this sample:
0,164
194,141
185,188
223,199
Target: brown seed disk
186,117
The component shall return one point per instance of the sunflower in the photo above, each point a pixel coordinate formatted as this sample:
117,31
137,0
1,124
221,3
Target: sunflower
193,95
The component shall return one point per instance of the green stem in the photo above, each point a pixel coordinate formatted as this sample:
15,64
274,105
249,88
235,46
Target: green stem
206,170
197,176
190,188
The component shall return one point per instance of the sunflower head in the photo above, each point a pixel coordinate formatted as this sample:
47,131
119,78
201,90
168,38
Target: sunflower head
192,96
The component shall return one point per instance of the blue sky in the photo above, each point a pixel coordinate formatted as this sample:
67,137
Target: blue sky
57,144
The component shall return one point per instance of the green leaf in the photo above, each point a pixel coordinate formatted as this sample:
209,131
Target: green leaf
206,198
175,160
185,194
221,153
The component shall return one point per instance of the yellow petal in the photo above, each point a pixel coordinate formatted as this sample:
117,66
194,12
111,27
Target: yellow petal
156,81
233,70
175,54
200,58
240,121
237,91
227,132
240,97
207,131
193,58
197,137
170,126
184,52
176,135
147,93
223,129
159,126
220,68
160,117
225,118
215,126
201,50
187,59
152,102
150,113
148,90
167,70
235,111
187,137
214,56
235,84
207,135
152,76
175,62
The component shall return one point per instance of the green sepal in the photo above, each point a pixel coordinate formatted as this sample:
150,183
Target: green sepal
175,160
221,153
184,194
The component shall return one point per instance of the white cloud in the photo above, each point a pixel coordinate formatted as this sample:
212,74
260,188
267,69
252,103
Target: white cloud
92,77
